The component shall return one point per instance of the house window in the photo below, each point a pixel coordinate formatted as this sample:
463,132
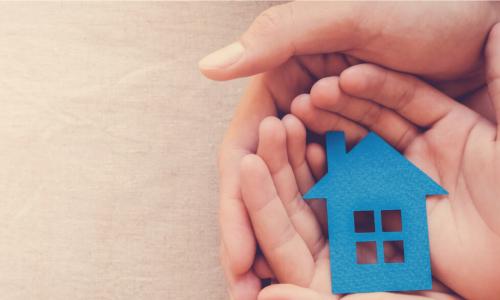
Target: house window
377,236
366,252
391,252
391,221
364,221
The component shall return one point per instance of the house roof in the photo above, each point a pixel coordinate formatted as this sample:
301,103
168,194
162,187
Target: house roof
371,168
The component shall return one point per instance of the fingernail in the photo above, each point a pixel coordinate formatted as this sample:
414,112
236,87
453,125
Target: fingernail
222,58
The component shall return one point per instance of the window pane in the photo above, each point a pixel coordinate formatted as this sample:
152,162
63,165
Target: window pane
391,220
364,221
366,252
394,252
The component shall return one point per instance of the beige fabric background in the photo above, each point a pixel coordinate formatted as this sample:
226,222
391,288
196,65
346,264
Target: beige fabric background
108,185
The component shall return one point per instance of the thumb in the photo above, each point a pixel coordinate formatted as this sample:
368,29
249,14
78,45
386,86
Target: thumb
282,31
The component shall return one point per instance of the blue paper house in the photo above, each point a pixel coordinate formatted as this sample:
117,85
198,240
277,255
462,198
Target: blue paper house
374,183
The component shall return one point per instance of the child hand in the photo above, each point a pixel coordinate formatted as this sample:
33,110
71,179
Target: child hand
451,143
287,229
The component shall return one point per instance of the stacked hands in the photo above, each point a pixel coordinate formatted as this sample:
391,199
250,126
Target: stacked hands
431,89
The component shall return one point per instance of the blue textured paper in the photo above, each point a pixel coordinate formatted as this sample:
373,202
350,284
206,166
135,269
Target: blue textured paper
374,177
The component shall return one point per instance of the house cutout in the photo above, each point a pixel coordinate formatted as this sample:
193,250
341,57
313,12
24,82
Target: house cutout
366,190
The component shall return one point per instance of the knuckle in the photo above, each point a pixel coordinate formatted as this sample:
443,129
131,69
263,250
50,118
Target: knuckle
372,115
286,235
267,23
270,18
406,96
407,136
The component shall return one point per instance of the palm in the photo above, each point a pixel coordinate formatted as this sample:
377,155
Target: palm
460,152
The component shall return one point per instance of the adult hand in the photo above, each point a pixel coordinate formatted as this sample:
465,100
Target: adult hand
441,42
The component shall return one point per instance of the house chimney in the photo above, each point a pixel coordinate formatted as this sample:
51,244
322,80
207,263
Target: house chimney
335,148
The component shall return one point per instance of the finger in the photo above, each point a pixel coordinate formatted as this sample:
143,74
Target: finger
262,268
289,291
493,69
284,249
457,88
321,121
296,149
240,286
273,150
327,95
480,102
319,66
296,76
316,158
241,138
281,32
413,99
236,232
287,81
237,237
